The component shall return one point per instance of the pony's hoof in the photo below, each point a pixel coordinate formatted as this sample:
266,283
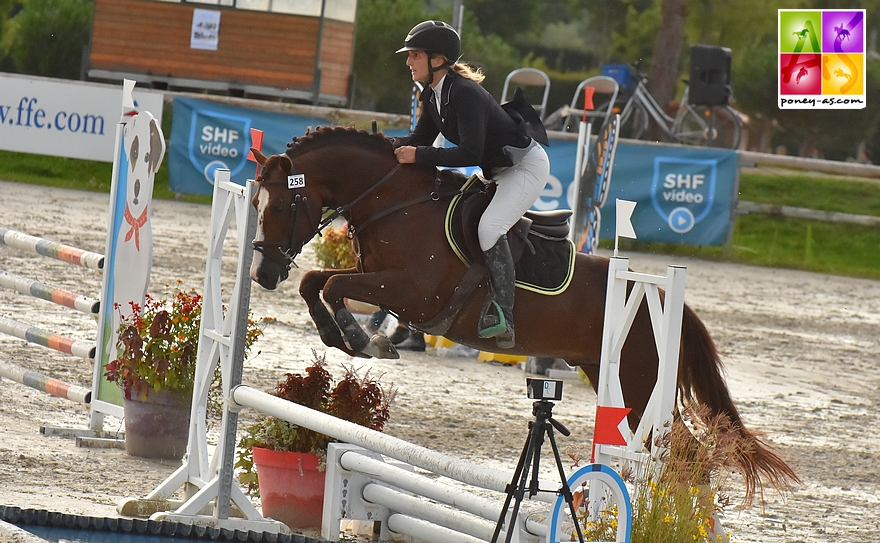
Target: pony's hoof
380,347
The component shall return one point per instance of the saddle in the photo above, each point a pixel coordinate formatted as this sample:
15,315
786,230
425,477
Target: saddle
542,254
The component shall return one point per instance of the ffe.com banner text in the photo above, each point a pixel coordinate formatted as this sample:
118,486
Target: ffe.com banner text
62,118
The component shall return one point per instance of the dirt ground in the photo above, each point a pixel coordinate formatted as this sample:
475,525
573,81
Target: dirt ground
801,351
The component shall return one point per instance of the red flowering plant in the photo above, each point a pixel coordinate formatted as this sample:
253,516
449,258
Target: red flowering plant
361,399
157,345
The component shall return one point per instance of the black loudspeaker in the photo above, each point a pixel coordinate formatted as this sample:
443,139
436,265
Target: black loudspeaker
710,76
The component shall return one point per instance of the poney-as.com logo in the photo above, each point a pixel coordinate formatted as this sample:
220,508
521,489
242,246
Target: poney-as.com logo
822,59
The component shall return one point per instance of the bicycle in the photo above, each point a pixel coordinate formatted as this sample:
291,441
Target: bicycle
708,126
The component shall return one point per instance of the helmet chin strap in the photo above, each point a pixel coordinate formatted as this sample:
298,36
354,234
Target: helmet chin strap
432,69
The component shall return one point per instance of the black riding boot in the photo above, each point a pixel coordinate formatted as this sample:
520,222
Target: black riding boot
496,319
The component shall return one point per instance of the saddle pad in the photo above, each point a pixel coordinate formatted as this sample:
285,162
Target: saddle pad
545,266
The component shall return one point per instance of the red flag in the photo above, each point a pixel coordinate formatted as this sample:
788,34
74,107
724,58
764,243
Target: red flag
588,100
607,421
256,143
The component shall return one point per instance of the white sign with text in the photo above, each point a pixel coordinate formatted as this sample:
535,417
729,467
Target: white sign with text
72,119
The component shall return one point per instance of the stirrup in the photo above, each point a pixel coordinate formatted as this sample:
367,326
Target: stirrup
497,329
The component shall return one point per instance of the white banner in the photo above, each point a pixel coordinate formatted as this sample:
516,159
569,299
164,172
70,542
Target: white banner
72,119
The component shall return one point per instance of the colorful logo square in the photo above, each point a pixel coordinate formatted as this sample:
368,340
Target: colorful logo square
842,74
801,74
821,59
843,32
799,31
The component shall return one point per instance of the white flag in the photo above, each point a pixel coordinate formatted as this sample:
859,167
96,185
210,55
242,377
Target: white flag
127,87
624,212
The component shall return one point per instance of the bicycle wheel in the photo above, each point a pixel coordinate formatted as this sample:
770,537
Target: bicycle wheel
633,121
727,128
716,126
691,128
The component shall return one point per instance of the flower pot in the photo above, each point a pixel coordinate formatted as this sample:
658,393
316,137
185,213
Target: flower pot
291,487
157,426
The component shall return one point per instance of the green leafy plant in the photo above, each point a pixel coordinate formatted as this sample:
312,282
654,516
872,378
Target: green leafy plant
359,399
333,249
157,344
678,495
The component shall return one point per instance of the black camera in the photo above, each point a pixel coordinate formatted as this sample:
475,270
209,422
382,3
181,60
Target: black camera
544,389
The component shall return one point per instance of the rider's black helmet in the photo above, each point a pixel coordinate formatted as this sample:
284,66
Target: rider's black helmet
433,37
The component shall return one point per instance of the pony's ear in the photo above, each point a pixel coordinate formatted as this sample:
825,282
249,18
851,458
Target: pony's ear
261,158
284,163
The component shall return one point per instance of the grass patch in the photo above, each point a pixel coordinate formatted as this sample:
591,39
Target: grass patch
844,249
811,191
764,240
71,173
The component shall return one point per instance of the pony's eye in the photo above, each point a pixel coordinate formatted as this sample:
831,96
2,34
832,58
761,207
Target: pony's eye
277,209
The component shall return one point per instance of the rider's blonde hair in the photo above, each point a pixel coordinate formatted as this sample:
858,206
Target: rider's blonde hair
465,70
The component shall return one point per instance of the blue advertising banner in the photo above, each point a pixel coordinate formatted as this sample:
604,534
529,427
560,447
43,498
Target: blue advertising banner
684,194
206,136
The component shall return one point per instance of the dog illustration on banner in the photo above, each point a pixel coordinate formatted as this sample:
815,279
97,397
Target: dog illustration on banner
143,148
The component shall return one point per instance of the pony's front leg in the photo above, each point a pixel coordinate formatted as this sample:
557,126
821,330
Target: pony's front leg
365,287
310,289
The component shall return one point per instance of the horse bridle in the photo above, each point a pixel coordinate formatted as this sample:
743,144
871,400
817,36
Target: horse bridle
300,200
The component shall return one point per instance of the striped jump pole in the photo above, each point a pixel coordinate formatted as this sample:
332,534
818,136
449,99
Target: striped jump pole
46,384
40,290
51,249
32,334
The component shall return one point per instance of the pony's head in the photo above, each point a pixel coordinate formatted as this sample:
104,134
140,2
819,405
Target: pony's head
329,173
288,214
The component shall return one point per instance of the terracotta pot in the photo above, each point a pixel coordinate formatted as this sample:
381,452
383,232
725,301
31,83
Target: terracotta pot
291,487
158,426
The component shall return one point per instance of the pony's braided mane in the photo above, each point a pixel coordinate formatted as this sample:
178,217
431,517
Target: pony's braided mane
336,134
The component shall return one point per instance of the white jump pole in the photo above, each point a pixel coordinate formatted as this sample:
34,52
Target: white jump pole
436,462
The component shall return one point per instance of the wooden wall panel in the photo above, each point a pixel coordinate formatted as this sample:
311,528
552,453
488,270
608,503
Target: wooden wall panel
255,48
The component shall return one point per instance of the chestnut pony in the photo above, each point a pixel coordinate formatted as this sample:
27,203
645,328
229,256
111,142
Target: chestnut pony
405,264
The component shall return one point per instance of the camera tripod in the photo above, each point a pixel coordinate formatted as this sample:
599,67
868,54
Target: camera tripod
531,456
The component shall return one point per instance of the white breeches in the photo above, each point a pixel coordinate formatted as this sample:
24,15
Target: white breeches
516,189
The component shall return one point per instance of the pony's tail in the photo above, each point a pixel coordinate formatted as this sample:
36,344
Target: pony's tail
701,379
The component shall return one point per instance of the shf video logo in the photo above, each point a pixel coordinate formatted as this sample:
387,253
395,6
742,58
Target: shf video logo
683,190
822,59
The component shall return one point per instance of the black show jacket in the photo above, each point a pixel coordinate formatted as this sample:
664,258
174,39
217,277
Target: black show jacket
470,118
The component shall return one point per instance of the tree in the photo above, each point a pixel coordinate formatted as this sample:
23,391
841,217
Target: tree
665,67
381,78
8,9
384,83
47,37
508,19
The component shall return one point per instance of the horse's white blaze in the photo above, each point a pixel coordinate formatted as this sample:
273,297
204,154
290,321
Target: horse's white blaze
262,202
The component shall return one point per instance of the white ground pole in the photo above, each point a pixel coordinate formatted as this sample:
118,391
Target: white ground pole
666,322
207,480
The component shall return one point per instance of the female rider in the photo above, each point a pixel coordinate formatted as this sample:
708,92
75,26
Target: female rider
455,105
